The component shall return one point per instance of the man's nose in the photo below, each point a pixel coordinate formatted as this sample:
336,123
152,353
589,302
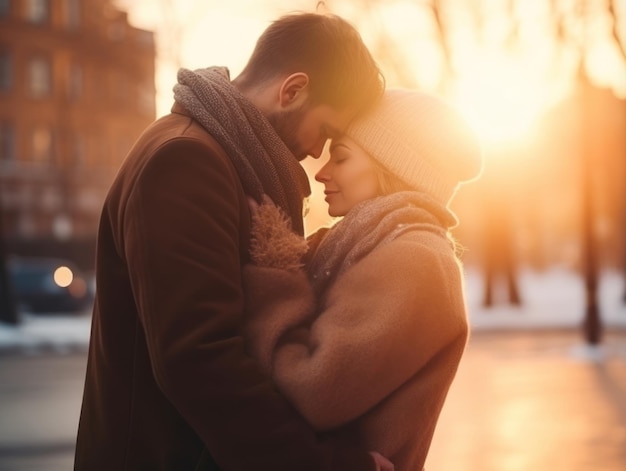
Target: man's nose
316,151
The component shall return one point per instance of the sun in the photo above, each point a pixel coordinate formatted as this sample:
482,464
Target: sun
501,98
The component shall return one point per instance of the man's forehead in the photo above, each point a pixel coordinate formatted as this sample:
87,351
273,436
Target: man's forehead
333,132
337,121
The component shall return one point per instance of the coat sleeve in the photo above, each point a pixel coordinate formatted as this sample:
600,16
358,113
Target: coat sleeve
181,238
278,301
383,321
278,295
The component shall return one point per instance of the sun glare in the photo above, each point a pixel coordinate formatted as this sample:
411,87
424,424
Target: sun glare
499,100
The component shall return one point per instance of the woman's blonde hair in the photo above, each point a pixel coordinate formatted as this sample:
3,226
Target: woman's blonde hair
388,182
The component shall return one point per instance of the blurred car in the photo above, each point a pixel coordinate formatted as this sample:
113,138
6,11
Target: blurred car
48,285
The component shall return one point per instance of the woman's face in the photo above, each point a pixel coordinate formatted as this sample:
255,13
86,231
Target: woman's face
349,177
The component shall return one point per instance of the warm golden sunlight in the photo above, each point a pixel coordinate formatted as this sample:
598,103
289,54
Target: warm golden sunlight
500,101
464,309
511,69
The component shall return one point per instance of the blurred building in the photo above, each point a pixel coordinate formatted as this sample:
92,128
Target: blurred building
76,89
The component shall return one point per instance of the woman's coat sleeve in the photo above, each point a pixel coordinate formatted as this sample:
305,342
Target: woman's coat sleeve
383,320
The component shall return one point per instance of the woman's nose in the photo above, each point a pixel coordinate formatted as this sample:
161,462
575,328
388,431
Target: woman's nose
322,175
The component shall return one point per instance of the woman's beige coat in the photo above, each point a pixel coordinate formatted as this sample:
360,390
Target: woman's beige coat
372,363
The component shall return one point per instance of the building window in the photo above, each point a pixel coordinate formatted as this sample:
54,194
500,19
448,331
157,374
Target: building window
27,226
116,31
72,14
7,142
123,146
75,83
120,87
6,71
145,38
38,11
145,100
40,77
41,145
100,152
78,150
5,8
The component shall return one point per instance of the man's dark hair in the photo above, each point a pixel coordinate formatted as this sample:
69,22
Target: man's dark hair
330,50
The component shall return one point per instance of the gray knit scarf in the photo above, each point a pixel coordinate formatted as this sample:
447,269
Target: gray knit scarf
263,162
370,224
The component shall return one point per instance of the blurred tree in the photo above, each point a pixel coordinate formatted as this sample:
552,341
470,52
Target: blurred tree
499,259
592,324
499,234
620,42
582,28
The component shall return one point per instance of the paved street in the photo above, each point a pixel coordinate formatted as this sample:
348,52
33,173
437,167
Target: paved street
535,400
541,402
40,403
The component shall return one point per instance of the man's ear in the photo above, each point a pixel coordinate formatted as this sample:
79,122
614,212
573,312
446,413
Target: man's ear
294,90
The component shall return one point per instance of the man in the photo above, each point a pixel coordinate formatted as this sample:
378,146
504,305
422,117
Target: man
169,385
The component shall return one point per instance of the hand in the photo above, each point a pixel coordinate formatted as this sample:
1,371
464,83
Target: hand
382,463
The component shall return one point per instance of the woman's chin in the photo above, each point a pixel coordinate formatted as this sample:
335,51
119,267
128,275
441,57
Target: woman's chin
334,212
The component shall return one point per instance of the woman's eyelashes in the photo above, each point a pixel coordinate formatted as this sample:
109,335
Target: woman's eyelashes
339,154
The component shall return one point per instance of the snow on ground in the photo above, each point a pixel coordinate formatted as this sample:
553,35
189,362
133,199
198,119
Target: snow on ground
551,299
50,332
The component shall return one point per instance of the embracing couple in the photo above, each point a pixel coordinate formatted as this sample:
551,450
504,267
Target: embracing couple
222,339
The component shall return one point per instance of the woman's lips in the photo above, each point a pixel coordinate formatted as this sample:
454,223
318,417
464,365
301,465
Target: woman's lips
329,193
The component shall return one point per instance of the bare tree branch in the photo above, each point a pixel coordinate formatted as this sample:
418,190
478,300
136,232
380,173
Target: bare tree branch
614,29
512,39
450,70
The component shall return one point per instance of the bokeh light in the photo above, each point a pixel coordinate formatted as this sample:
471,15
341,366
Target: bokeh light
63,276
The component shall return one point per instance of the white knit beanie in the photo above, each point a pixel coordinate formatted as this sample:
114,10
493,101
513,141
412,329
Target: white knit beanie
421,140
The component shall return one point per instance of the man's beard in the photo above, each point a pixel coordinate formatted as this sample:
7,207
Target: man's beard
286,125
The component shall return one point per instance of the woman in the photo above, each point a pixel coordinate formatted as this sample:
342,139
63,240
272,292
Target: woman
364,333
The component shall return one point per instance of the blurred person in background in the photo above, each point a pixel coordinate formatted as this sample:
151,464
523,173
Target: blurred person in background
363,328
169,385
